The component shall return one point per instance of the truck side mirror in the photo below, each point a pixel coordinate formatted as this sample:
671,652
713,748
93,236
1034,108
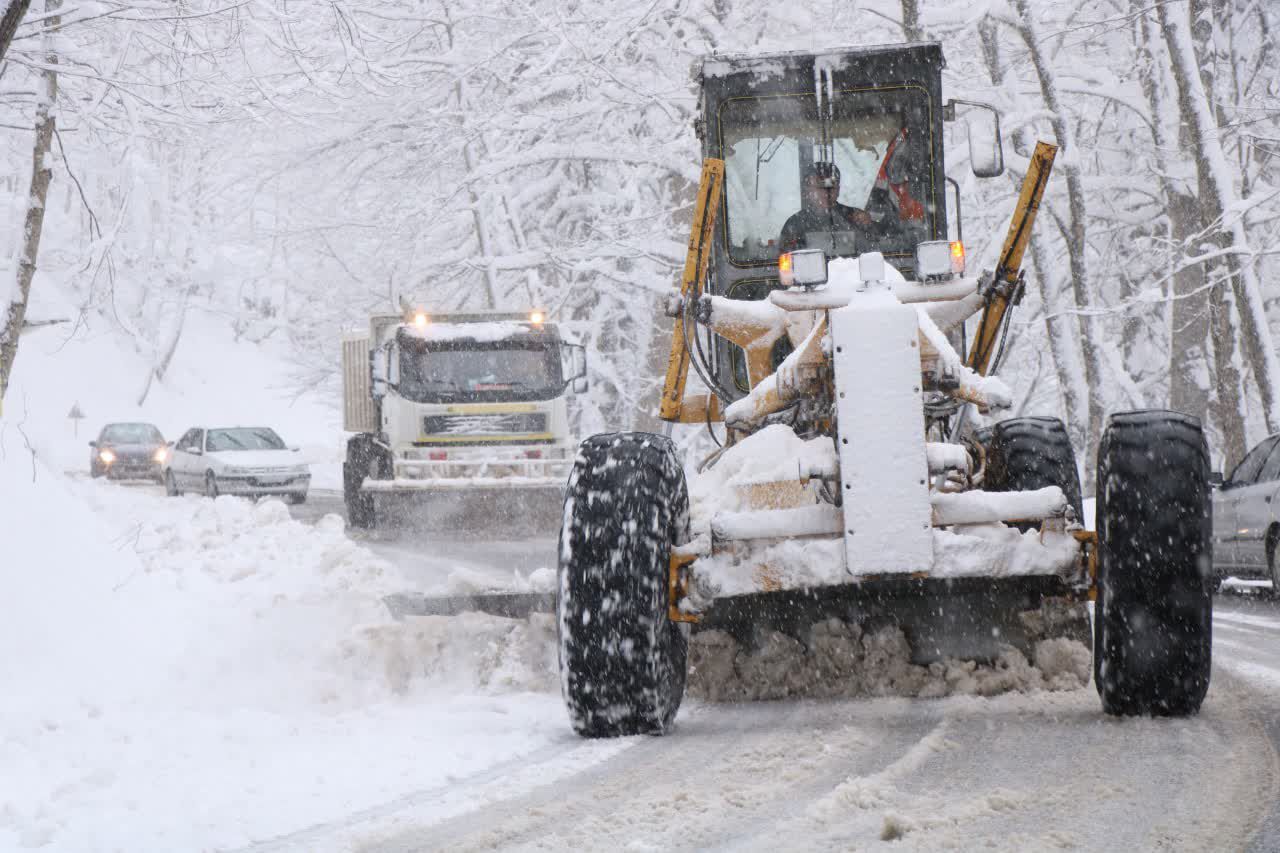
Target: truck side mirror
377,374
986,152
93,444
578,363
1216,479
384,371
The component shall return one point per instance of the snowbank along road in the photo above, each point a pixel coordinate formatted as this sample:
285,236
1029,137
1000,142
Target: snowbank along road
300,717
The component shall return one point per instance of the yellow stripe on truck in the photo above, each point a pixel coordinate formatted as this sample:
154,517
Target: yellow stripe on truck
491,408
506,436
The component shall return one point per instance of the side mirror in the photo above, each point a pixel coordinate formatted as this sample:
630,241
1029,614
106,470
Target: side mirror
197,451
384,371
295,449
93,444
1216,480
986,152
577,367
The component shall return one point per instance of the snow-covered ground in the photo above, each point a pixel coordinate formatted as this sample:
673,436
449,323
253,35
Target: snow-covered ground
193,674
187,674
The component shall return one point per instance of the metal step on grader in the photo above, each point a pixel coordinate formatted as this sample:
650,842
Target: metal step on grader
825,312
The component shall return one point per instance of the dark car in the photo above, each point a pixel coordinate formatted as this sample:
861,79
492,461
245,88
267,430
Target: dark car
128,451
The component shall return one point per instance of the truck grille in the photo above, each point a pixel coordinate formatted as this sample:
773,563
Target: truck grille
485,424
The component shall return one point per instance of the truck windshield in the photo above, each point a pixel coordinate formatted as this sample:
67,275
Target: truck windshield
476,372
881,152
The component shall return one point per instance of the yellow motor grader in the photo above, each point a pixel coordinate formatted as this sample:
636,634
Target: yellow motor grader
824,311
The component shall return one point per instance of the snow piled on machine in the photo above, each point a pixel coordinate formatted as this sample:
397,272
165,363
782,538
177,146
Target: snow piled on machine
186,673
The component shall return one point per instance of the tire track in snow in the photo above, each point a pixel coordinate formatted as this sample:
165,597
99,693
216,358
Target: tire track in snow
508,779
1247,649
1016,772
1035,772
725,772
1246,620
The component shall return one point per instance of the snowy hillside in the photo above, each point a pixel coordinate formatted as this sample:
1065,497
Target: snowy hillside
212,380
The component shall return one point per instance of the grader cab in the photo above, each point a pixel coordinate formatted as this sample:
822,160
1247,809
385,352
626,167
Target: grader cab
825,309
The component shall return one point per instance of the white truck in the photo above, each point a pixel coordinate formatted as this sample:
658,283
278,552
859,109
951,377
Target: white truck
458,418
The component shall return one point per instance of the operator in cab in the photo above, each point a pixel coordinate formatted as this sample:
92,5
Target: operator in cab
820,212
892,211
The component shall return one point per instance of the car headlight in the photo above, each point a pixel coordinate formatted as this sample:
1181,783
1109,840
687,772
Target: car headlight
107,456
161,454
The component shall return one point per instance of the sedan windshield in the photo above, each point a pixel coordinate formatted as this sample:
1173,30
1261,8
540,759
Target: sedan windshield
132,434
243,438
473,371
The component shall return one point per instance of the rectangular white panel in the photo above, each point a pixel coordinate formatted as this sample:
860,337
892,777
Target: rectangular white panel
357,401
883,469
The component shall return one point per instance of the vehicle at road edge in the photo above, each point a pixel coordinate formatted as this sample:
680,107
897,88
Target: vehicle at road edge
128,451
249,461
1246,516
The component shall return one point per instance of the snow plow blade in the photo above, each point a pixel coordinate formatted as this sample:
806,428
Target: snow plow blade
961,618
492,507
511,605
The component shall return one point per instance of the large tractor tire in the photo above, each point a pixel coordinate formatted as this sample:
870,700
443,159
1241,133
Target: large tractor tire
1024,454
1154,614
622,660
364,459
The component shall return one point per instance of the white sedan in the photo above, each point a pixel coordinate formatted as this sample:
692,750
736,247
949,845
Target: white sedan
236,461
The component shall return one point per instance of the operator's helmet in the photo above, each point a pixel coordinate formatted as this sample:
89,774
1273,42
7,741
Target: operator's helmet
828,172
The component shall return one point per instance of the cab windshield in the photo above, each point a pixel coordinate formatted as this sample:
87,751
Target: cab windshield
475,372
878,142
